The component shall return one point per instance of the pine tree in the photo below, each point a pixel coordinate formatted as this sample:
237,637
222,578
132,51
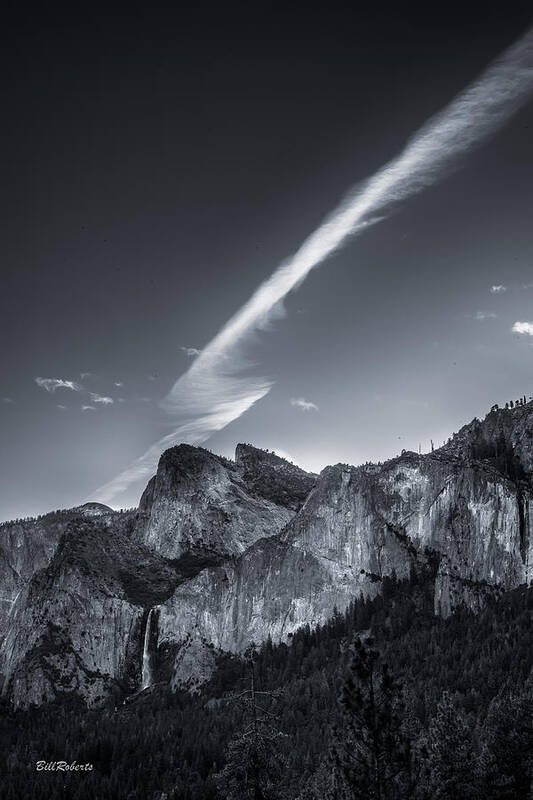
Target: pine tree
508,755
254,762
371,757
451,762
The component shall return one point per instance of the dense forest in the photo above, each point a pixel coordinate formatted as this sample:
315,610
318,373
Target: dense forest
386,701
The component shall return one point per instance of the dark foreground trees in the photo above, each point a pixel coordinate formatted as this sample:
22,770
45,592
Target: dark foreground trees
371,756
450,762
254,760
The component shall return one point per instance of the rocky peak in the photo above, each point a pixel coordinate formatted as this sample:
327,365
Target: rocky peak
273,477
503,439
248,456
93,510
180,466
202,502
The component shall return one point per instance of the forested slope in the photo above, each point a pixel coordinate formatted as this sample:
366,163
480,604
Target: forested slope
465,712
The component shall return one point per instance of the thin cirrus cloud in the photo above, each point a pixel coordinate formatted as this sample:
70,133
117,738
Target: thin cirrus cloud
191,352
214,391
498,288
102,400
480,316
52,384
304,405
524,328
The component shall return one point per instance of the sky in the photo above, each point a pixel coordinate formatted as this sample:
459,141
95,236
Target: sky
159,167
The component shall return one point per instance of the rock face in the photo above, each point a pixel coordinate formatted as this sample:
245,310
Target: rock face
88,580
504,438
357,526
26,546
273,478
93,510
202,502
77,624
194,664
232,552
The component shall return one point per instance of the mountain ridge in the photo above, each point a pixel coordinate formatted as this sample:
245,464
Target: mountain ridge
228,552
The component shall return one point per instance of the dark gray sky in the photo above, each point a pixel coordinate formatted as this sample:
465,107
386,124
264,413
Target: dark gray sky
159,167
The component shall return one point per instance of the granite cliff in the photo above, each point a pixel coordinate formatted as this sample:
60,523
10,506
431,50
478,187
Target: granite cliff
28,545
223,553
201,501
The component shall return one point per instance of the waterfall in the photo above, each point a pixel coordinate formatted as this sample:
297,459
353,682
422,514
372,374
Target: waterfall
146,679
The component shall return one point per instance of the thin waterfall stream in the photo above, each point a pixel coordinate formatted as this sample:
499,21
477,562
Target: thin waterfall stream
146,678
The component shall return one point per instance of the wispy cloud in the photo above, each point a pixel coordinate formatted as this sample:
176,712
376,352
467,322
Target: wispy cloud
8,400
51,384
215,389
191,352
498,289
84,375
304,405
98,398
525,328
119,384
482,315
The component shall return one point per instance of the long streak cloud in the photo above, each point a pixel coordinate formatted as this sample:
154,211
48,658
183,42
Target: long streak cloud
215,390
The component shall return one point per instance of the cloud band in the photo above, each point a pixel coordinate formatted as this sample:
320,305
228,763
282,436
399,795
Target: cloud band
213,392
